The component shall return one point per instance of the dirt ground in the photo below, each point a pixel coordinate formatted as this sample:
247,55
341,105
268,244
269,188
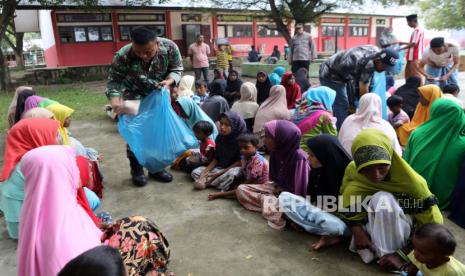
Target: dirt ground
206,238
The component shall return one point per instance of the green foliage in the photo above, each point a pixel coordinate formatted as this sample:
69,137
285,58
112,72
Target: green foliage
443,14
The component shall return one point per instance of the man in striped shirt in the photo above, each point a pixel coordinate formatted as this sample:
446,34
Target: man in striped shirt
414,47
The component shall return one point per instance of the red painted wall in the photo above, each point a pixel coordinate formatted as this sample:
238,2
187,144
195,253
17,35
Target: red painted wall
76,54
51,57
353,41
270,42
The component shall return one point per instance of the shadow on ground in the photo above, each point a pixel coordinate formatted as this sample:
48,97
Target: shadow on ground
206,238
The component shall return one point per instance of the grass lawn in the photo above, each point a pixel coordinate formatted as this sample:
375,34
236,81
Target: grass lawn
87,100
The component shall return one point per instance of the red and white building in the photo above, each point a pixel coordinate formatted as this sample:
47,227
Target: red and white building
74,37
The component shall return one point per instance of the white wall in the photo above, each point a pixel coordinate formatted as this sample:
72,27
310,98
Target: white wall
26,21
46,29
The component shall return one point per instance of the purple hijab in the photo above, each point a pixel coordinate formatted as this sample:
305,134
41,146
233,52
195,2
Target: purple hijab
227,149
32,102
289,167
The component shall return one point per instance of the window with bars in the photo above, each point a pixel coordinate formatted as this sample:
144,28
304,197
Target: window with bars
358,31
85,34
331,30
265,31
125,31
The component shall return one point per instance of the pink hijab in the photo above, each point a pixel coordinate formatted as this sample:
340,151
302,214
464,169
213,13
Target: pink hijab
54,228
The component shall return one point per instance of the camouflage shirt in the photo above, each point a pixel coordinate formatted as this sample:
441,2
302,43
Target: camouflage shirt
131,79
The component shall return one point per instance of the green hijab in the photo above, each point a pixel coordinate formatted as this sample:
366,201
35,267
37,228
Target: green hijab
371,147
436,149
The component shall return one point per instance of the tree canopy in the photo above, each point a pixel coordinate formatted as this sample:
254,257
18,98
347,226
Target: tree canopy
443,14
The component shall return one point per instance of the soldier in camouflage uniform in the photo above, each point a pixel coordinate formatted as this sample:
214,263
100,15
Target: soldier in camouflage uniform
146,64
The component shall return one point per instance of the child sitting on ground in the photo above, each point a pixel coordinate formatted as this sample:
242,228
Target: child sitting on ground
434,246
201,92
451,91
397,116
226,165
205,154
254,165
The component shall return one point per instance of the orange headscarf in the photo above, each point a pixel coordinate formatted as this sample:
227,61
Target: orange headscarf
430,92
24,136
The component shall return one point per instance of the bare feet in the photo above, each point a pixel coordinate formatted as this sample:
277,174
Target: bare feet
214,196
296,227
326,241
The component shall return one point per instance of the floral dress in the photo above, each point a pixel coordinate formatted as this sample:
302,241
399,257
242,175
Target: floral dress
144,249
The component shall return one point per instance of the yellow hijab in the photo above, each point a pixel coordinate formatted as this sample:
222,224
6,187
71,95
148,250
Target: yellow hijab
61,112
430,92
371,147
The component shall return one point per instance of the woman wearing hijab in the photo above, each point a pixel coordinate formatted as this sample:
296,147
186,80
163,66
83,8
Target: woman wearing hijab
20,103
38,112
247,105
398,195
410,95
274,108
314,115
277,75
368,115
301,77
31,102
263,86
193,114
12,107
62,114
293,93
428,94
54,228
24,136
328,161
215,104
436,149
233,87
185,87
457,204
143,247
289,172
226,165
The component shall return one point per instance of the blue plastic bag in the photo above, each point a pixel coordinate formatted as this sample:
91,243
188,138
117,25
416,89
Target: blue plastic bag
156,135
379,87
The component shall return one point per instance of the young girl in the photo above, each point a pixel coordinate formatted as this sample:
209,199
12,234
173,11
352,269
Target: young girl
313,116
428,94
434,246
263,86
289,171
216,104
328,161
293,93
247,106
277,75
24,136
192,114
396,192
185,86
233,88
254,166
62,114
21,102
225,167
51,210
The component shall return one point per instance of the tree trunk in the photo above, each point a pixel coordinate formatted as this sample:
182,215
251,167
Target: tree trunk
3,72
19,50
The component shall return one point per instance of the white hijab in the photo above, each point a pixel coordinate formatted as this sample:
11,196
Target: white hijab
247,106
368,115
185,86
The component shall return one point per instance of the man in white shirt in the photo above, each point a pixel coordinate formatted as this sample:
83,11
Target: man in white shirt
442,61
